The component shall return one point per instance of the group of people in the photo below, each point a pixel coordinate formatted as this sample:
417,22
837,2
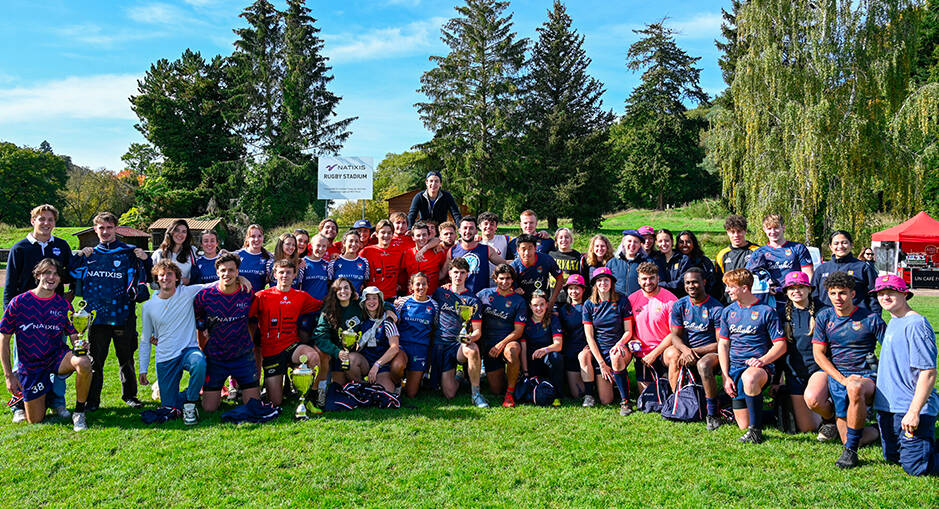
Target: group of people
418,300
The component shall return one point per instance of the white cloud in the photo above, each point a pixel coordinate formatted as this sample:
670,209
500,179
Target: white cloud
94,35
157,13
101,96
702,26
383,42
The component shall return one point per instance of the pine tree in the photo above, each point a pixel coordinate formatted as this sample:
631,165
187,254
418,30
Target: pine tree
474,96
730,47
567,129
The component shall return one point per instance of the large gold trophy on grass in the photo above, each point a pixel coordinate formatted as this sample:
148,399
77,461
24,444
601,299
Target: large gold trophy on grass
81,320
466,314
302,377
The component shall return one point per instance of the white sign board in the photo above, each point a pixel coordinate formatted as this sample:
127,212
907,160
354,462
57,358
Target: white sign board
345,178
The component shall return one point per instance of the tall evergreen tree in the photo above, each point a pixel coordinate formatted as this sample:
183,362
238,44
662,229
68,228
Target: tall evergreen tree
474,99
730,47
567,129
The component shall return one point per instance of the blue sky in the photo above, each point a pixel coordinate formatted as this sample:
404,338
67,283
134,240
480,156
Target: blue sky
68,67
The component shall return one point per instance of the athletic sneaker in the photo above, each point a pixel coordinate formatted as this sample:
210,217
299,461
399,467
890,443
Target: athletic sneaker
589,401
19,415
509,401
78,421
190,414
848,459
61,412
134,403
625,408
827,432
321,398
752,436
480,401
313,410
556,402
713,422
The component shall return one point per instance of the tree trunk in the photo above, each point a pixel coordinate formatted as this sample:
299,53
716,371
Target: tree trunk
552,223
659,201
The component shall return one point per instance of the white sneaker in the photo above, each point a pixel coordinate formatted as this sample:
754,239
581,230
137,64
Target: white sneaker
19,415
589,401
190,414
155,392
62,412
78,421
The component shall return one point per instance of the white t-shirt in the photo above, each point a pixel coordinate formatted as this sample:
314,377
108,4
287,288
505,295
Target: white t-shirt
500,243
185,268
172,322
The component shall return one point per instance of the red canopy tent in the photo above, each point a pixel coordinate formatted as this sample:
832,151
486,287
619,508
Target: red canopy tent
918,235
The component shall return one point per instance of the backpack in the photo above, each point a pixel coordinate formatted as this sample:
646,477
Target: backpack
535,391
359,395
654,395
687,403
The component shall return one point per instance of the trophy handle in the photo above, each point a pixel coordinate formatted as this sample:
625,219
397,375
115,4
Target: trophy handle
94,313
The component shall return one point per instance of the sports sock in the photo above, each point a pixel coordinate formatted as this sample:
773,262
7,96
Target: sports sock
79,406
853,438
510,390
755,410
713,407
590,388
622,383
321,385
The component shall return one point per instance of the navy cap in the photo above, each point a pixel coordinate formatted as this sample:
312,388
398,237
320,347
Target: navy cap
362,223
634,233
433,173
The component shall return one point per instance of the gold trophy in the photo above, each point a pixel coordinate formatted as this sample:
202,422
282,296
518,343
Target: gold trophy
81,320
349,338
302,377
466,313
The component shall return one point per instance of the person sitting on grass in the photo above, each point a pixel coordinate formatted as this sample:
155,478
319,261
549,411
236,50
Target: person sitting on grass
651,306
843,346
608,326
905,399
378,345
578,361
417,315
749,342
39,318
542,342
695,320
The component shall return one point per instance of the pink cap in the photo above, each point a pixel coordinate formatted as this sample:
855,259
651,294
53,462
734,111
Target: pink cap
646,230
601,272
892,282
797,278
575,279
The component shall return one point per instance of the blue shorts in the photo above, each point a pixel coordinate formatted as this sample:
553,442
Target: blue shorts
418,356
916,452
606,358
839,393
372,355
797,382
736,374
443,357
37,383
491,363
571,362
243,370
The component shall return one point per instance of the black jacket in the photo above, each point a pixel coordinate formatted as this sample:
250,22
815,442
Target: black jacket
421,208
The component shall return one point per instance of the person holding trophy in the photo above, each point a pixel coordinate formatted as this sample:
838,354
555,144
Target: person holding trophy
377,345
39,318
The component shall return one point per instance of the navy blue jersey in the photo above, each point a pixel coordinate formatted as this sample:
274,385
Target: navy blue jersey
572,323
207,272
537,276
478,260
700,321
864,275
674,269
356,271
537,335
779,261
253,268
449,321
751,330
39,325
23,257
416,320
849,338
375,342
541,245
109,281
800,357
316,278
500,314
607,320
225,316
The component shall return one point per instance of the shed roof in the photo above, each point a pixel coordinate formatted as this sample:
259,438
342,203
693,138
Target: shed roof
194,224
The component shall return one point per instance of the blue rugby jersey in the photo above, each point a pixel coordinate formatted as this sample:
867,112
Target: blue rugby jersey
864,276
537,276
699,321
39,325
538,336
253,268
751,330
849,338
500,313
207,272
449,321
377,344
779,261
541,245
316,278
478,260
356,271
416,320
607,319
572,324
226,318
108,281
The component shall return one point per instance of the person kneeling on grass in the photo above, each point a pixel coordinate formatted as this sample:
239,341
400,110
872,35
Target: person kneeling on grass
541,343
39,318
843,346
905,399
578,361
695,320
417,315
504,313
608,326
749,342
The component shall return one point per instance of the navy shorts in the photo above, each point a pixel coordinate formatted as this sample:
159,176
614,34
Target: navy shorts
443,357
37,383
491,363
243,370
915,452
372,355
648,373
571,362
736,374
277,364
606,358
796,382
839,393
418,356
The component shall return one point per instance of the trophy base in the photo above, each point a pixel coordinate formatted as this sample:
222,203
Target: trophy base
301,414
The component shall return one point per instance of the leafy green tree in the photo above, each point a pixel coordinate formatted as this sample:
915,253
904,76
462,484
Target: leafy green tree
90,191
730,47
656,144
399,173
927,55
566,130
474,100
29,177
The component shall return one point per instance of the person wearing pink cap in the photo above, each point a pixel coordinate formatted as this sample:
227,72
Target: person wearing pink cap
906,399
578,361
608,326
652,307
648,239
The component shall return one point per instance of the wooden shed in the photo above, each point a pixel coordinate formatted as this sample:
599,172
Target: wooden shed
132,236
402,203
196,227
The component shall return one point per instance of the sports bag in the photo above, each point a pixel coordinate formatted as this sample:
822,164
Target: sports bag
687,403
654,395
535,391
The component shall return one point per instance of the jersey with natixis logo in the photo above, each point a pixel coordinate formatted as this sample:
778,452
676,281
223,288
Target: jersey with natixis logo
39,325
225,317
109,279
